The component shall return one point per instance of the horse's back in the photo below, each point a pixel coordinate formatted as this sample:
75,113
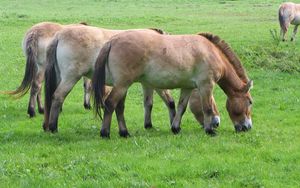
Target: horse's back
173,49
174,56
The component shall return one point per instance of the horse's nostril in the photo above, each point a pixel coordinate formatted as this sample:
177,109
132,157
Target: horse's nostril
244,128
215,121
238,128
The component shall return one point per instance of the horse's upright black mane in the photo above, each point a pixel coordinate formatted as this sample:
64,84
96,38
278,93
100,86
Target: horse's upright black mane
228,52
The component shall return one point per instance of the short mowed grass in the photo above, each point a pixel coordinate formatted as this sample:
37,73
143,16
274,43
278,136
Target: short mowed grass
267,156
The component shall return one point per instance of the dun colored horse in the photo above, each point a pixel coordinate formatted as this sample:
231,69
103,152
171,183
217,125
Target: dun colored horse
172,61
289,13
35,43
71,55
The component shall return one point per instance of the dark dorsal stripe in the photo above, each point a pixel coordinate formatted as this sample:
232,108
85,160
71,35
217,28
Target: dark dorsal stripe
228,52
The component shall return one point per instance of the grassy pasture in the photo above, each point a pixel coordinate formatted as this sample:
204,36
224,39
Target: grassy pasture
267,156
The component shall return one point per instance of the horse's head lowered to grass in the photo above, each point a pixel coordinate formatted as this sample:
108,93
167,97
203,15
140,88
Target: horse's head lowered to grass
235,84
239,108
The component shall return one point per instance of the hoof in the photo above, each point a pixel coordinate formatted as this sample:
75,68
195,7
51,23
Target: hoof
210,132
31,112
87,106
124,133
175,130
292,39
45,128
148,125
53,128
41,110
104,133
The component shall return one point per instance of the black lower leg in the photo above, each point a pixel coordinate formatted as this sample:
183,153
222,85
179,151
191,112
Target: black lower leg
31,111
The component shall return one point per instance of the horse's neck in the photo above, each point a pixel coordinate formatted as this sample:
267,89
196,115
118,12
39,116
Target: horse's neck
230,81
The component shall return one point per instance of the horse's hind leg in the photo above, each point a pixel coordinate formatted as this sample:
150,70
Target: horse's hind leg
121,119
148,103
87,92
115,96
294,33
59,96
39,97
169,102
283,30
35,93
183,100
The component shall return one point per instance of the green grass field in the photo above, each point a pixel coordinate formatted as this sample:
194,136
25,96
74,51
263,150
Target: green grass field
267,156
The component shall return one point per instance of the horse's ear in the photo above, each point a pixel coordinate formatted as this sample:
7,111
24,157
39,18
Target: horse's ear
249,86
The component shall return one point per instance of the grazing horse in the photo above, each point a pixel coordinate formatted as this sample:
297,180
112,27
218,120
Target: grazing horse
71,55
289,13
172,61
34,45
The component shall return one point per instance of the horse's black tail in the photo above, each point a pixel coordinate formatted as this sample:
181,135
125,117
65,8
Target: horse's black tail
98,81
31,50
51,78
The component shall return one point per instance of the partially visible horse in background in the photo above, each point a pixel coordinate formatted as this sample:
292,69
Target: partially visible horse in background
71,56
34,45
289,13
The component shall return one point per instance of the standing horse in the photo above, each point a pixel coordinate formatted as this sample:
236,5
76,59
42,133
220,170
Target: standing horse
34,45
71,55
168,62
289,13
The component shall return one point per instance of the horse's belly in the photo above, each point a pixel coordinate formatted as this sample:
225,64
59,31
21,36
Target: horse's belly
167,80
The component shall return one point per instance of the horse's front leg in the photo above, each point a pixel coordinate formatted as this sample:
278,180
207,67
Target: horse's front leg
87,86
183,100
210,121
196,108
169,102
148,104
113,99
294,33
